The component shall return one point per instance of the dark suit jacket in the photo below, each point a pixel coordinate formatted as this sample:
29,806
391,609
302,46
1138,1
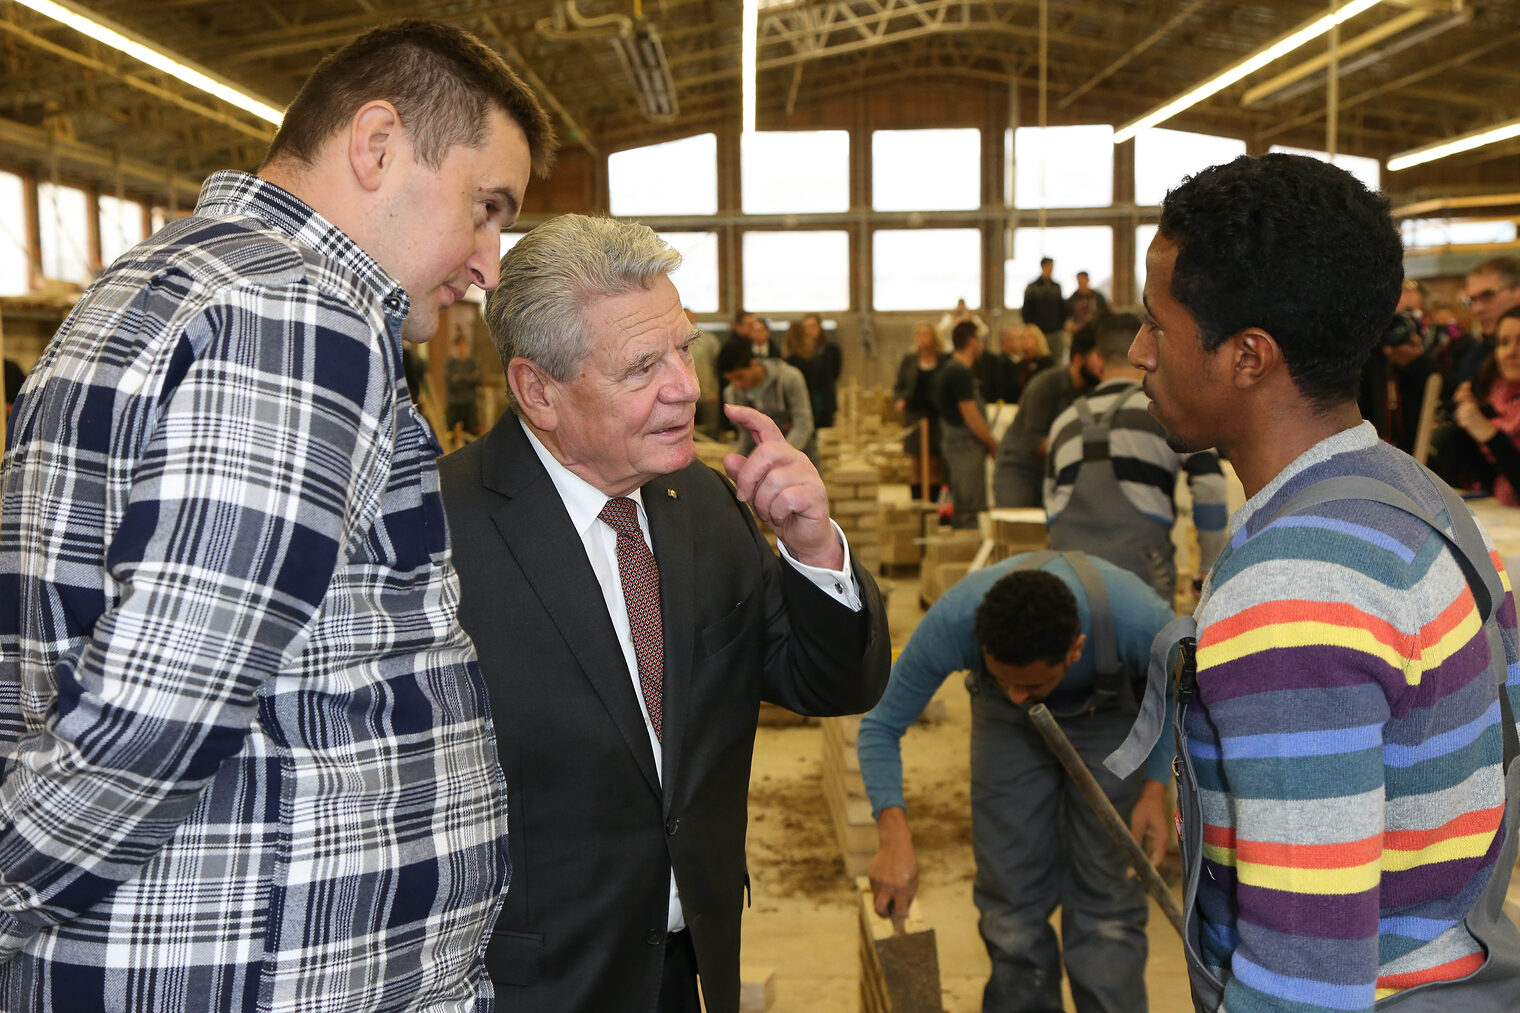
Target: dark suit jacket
593,832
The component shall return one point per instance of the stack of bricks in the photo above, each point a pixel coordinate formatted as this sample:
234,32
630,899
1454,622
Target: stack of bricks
845,792
899,533
947,558
852,486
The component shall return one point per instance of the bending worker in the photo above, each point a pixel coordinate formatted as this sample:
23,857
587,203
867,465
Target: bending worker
1075,632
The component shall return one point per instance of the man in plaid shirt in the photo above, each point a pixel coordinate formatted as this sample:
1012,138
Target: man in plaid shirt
248,758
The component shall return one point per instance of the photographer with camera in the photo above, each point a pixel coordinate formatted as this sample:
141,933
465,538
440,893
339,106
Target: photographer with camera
1393,379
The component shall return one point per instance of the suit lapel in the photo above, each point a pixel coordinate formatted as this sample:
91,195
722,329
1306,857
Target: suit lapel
668,509
537,530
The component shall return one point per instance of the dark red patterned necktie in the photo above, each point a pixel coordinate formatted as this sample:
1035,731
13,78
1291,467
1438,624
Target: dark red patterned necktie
641,596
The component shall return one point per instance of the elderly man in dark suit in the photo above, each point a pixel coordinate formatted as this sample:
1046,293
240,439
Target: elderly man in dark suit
630,618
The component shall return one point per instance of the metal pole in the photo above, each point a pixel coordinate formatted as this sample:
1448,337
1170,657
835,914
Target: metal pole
1107,815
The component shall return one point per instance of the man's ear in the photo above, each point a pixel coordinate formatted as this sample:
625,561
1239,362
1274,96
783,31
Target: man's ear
1256,355
534,390
1076,649
374,139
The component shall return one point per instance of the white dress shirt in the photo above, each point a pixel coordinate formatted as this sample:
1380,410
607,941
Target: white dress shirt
584,503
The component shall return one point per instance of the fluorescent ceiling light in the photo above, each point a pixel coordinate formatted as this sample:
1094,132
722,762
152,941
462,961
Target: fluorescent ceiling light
88,23
1467,142
1257,60
747,46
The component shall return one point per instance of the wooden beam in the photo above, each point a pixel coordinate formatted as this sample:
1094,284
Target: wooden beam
19,137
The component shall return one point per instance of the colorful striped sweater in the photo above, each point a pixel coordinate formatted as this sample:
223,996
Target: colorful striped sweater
1347,744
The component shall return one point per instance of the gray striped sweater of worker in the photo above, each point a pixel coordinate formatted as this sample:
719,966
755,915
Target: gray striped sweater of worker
1144,465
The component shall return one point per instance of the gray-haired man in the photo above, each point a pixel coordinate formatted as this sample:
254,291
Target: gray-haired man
630,618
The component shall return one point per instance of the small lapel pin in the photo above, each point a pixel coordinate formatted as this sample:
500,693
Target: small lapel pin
671,493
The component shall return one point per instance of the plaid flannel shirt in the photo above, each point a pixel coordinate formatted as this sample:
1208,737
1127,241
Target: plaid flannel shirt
248,757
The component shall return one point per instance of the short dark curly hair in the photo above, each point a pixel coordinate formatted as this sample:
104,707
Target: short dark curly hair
1295,246
1028,616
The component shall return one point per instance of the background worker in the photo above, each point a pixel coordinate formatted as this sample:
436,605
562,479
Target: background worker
1074,632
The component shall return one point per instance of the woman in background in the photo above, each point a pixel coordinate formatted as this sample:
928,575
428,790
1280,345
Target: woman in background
832,361
801,351
1033,355
913,396
1478,449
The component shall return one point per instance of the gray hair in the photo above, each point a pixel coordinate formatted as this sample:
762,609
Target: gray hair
538,310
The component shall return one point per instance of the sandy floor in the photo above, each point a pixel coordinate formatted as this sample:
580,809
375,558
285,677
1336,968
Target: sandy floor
802,925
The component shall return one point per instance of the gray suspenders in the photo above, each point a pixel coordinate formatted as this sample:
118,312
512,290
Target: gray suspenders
1495,986
1098,517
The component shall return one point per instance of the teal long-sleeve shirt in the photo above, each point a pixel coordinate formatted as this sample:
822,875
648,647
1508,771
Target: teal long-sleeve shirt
945,642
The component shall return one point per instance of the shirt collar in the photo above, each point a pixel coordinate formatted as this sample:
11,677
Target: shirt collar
1358,437
583,501
239,193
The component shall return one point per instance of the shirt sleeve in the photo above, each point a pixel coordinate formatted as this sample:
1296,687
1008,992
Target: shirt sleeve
944,642
837,584
1211,507
265,459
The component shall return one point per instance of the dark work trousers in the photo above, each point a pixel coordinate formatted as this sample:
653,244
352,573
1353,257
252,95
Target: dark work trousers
966,460
678,981
1039,846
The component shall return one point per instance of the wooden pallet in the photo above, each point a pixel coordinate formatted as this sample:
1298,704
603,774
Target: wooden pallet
898,973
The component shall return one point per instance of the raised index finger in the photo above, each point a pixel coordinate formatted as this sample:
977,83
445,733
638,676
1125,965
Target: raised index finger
760,425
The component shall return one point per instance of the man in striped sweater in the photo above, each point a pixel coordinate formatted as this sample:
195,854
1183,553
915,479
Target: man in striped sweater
1345,732
1110,475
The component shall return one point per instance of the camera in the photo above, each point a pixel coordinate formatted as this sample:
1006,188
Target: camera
1403,328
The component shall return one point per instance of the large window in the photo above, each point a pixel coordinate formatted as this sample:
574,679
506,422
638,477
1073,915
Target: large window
796,272
1368,170
1074,248
65,218
14,277
926,170
509,240
1063,167
795,171
1164,157
697,277
121,227
674,178
926,269
1424,232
